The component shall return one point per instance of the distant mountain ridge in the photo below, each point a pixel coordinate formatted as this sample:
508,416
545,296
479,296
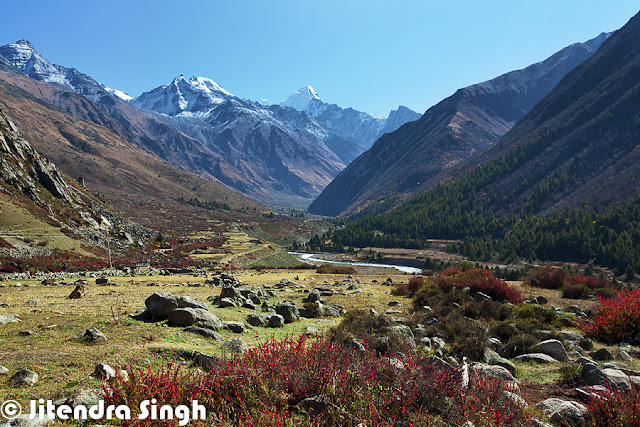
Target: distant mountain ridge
363,127
411,159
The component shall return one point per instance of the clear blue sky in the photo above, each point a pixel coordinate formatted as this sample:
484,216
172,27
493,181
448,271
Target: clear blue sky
371,55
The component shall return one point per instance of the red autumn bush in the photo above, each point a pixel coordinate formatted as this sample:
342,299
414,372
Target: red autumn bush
616,408
547,277
617,318
410,288
265,387
478,280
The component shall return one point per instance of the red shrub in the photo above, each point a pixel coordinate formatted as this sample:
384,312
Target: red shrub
479,280
618,318
410,289
265,386
547,277
620,408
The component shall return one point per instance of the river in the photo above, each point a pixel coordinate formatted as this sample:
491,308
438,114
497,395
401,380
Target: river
314,257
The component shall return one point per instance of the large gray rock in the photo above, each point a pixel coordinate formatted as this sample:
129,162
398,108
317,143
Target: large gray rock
92,335
161,304
207,333
256,319
24,377
182,317
493,358
275,321
494,371
195,316
564,412
104,371
618,380
24,421
234,326
535,358
288,310
313,296
602,354
593,376
8,318
206,361
189,302
553,348
235,346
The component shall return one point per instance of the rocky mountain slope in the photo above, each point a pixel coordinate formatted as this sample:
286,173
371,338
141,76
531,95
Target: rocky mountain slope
414,157
282,156
43,213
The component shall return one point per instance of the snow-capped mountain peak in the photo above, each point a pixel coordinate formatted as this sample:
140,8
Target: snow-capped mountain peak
301,98
193,97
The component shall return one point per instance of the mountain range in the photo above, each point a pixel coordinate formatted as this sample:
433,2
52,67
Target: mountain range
274,154
412,159
562,184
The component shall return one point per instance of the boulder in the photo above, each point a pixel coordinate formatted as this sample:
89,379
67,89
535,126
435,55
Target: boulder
195,316
189,302
227,302
353,343
494,371
535,358
593,376
275,321
235,346
207,333
553,348
493,358
104,371
564,412
24,377
313,310
618,380
235,327
182,317
161,304
92,335
256,319
288,310
313,296
602,354
8,318
515,399
78,292
315,405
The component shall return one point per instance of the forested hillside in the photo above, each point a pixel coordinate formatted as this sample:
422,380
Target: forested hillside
547,189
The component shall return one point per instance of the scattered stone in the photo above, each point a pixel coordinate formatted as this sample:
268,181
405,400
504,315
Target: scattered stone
494,371
33,302
288,310
227,302
624,356
26,333
563,411
311,332
395,304
275,321
24,377
593,376
102,281
78,292
3,370
312,310
618,380
104,372
235,346
92,335
405,332
234,326
571,336
515,399
480,296
553,348
189,302
438,343
313,296
256,319
207,333
314,405
206,361
24,421
195,316
353,343
603,354
86,397
541,300
493,358
161,304
535,358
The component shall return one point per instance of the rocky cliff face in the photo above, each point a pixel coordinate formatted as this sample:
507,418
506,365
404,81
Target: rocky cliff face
23,167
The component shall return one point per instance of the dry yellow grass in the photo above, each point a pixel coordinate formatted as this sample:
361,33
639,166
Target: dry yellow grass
65,364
